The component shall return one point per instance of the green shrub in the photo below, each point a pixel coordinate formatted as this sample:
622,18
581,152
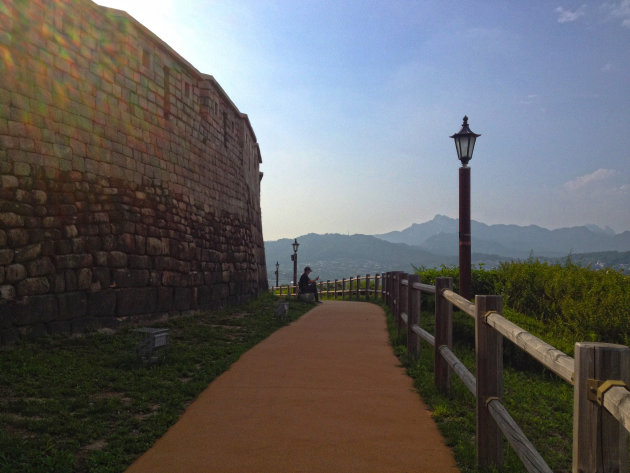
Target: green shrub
572,302
576,302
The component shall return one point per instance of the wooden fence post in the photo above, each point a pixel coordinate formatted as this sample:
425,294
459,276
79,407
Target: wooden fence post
376,281
390,285
358,286
385,288
413,315
390,291
367,287
351,293
599,440
403,300
394,292
443,334
398,294
343,288
489,362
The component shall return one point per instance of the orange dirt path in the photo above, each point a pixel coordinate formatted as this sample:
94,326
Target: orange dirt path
323,394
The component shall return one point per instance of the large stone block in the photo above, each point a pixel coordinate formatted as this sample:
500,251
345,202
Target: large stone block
11,219
136,301
15,273
204,296
33,331
8,314
155,246
72,305
73,261
182,298
102,303
100,258
84,279
58,283
84,325
17,237
131,277
117,259
139,262
33,286
127,243
165,263
28,253
39,309
80,245
7,256
58,327
63,247
221,292
171,278
102,276
165,299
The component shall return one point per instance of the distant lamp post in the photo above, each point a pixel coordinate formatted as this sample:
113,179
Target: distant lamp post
277,269
295,245
464,144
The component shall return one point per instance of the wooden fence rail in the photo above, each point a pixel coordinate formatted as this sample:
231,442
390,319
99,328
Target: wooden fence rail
600,372
353,287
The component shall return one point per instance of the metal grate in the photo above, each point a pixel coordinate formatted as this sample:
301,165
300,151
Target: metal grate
153,345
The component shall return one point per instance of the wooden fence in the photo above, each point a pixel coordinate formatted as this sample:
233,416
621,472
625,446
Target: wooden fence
351,287
600,372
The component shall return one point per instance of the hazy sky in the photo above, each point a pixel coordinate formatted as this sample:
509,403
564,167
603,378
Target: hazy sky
353,103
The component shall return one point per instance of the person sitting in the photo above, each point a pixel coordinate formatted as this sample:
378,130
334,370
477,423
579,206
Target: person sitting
308,285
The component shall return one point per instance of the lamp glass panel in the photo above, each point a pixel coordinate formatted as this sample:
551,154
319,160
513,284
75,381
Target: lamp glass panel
458,147
466,145
471,145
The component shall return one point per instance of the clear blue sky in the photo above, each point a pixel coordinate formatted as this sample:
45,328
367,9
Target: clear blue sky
353,103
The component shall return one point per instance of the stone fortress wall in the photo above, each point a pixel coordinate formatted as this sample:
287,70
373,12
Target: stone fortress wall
129,181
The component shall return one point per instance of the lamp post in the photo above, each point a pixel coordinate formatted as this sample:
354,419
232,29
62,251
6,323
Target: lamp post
295,245
464,144
277,268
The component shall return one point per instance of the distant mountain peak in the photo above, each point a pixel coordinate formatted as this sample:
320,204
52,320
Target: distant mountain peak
597,229
508,239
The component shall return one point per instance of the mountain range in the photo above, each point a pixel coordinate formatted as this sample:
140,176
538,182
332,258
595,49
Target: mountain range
440,236
435,243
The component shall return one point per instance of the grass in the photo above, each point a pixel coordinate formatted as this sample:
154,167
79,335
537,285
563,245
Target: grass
90,405
540,403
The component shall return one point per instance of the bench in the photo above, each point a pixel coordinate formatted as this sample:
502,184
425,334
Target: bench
306,296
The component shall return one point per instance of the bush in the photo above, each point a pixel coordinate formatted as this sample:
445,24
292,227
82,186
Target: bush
577,303
482,281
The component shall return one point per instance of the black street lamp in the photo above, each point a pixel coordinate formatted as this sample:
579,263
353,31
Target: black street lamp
277,268
464,144
295,245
